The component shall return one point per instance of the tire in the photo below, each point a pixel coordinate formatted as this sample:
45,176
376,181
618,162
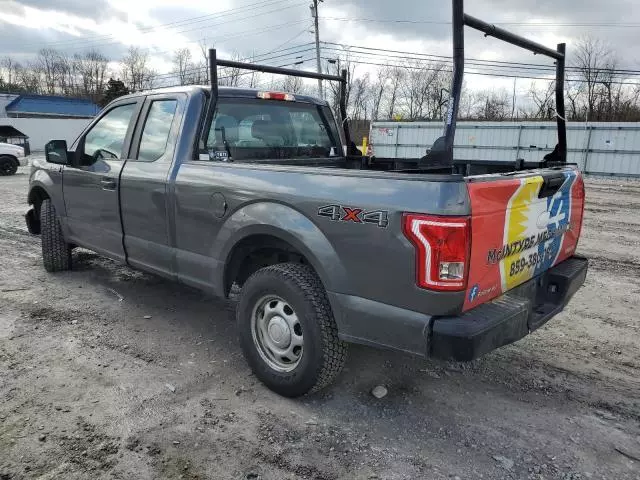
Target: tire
56,253
8,166
297,289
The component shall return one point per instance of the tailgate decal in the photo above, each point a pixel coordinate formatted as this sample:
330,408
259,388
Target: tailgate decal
516,236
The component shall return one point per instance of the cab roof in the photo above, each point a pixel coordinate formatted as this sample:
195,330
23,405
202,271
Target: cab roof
224,92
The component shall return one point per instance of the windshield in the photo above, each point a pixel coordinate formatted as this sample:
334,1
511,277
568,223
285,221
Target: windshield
257,129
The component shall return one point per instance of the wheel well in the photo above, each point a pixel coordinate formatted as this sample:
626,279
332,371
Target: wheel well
37,195
255,252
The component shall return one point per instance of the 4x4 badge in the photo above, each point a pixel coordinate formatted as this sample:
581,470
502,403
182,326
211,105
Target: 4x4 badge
340,213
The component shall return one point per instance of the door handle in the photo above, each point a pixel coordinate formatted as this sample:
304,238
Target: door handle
108,184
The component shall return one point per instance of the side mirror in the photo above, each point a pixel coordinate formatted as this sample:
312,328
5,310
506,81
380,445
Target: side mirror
56,152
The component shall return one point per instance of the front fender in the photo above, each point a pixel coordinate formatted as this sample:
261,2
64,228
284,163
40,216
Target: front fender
47,178
287,224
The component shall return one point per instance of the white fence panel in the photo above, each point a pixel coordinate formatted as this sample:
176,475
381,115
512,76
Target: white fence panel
598,148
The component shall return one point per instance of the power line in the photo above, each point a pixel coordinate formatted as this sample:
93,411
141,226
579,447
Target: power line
203,69
525,24
471,61
275,50
264,57
253,58
304,30
490,74
248,33
478,66
258,14
291,64
298,62
85,46
176,24
486,64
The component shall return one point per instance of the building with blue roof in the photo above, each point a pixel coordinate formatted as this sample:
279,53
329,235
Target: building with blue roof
49,106
33,120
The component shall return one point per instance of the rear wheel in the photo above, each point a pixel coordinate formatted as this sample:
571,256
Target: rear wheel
287,331
56,253
8,165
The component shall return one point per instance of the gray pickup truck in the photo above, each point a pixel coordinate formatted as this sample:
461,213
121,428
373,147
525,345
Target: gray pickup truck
215,187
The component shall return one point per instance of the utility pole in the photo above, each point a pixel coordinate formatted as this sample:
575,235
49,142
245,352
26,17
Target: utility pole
314,14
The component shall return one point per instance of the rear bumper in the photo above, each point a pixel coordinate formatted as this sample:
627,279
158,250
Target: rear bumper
467,336
510,317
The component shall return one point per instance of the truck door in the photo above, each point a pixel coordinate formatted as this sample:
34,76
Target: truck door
144,186
90,186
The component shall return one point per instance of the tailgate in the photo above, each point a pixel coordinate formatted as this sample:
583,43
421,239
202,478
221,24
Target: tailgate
520,227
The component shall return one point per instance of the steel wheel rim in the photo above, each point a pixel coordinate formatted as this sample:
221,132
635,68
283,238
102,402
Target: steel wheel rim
277,333
5,166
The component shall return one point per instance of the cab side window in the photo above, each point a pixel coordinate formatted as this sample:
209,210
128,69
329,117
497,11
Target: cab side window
157,128
106,138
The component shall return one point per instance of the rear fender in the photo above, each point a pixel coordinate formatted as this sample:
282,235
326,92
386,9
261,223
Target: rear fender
287,224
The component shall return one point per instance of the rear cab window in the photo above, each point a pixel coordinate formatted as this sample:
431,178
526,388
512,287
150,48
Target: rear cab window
245,129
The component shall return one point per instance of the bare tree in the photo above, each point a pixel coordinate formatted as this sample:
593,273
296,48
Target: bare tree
47,61
10,68
439,94
204,50
592,61
182,65
543,100
573,92
421,89
200,74
30,77
92,71
66,74
254,77
494,105
291,85
396,77
359,98
412,90
136,72
377,91
333,91
470,102
230,76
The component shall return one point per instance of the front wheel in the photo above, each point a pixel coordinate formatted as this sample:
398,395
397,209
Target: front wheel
8,166
287,331
56,253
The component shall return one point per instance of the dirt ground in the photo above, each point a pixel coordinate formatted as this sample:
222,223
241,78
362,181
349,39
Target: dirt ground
106,372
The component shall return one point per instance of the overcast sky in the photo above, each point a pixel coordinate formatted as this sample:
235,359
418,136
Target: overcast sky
161,26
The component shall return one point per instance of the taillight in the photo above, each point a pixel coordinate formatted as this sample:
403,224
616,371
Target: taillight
276,96
442,250
582,197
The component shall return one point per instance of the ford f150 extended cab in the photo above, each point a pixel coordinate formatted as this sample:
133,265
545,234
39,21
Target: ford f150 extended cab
214,187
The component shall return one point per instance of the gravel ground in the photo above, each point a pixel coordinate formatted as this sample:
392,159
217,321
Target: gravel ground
106,372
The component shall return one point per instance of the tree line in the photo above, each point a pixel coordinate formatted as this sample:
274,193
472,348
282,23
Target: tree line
596,89
88,75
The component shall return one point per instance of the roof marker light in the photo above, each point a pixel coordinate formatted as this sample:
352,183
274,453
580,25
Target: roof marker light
276,96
